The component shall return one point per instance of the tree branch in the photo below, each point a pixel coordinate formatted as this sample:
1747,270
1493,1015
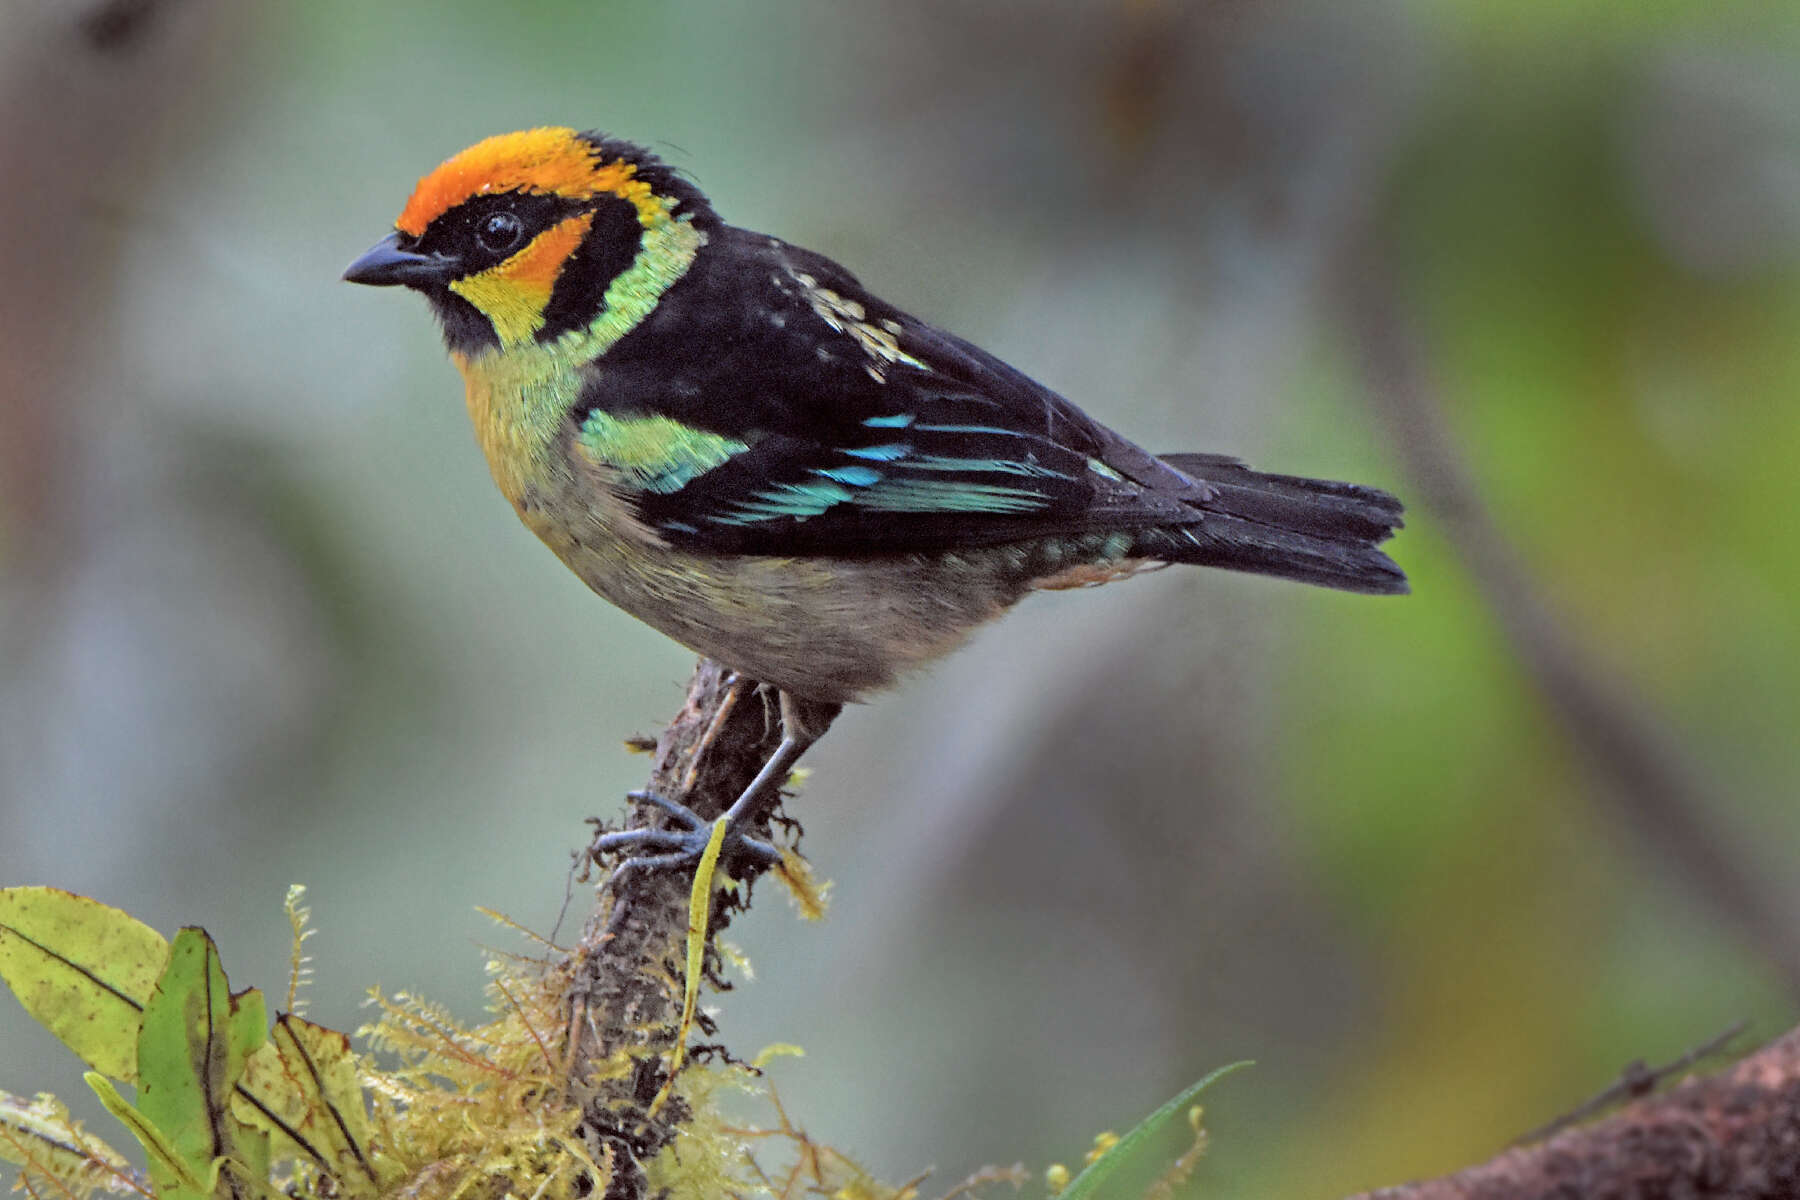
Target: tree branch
1735,1134
627,972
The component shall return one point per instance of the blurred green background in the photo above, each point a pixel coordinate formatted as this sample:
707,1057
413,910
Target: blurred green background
264,620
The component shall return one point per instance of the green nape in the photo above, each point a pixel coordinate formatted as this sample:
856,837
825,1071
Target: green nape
657,453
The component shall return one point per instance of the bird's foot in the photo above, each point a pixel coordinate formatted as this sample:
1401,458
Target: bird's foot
681,847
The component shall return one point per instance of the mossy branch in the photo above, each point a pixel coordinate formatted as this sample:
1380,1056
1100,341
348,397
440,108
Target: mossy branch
626,986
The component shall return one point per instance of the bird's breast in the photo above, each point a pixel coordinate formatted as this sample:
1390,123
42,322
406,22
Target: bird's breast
516,402
829,629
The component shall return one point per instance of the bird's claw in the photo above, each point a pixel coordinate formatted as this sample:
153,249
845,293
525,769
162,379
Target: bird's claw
678,848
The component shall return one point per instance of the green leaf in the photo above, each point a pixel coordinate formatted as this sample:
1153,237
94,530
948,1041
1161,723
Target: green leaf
195,1041
248,1032
81,968
44,1139
170,1174
304,1091
699,913
1086,1184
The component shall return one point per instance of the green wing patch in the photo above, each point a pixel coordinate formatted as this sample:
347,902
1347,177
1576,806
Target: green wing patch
657,454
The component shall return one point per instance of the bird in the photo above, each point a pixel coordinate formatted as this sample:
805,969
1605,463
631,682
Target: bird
732,439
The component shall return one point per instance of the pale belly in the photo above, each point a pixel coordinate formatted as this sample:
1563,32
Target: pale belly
825,629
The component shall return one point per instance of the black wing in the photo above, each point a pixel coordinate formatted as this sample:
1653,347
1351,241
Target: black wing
842,426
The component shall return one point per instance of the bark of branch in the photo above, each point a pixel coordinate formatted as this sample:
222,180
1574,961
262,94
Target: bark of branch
1735,1134
625,990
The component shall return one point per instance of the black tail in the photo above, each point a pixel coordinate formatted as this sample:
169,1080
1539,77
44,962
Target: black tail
1313,530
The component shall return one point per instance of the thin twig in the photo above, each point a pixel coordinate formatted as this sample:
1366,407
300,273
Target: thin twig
1656,788
1636,1081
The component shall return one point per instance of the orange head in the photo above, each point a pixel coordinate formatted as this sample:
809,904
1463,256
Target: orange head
519,237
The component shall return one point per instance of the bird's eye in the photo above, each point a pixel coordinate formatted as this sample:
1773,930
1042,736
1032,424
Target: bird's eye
500,232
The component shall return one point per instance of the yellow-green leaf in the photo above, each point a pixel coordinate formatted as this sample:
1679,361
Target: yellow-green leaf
83,969
44,1139
1089,1181
699,911
248,1031
196,1038
170,1174
303,1089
